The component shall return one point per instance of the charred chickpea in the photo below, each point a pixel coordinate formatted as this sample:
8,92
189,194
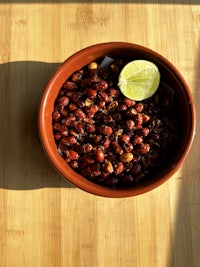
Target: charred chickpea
113,92
72,106
139,107
128,102
118,168
97,139
91,110
91,93
74,133
112,106
76,97
63,149
71,86
118,132
56,115
94,78
99,155
146,118
74,164
84,83
78,125
96,169
128,147
103,96
107,119
87,159
106,130
57,126
101,104
117,148
86,148
138,126
138,140
90,128
80,114
69,94
117,116
139,118
144,131
64,130
58,136
131,113
77,76
80,103
71,155
106,142
122,107
125,138
63,101
144,148
102,85
64,112
69,140
62,93
130,124
69,120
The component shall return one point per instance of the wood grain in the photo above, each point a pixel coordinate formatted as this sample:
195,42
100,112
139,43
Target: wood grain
45,221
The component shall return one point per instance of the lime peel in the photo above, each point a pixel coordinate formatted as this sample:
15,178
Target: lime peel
139,79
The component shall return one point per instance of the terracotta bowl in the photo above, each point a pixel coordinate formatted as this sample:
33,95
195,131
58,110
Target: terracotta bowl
117,50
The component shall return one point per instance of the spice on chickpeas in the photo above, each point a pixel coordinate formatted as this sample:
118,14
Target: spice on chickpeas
108,138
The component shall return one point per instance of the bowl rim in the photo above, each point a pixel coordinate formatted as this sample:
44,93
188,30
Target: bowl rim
58,162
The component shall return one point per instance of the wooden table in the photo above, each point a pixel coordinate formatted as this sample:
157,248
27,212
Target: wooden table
46,222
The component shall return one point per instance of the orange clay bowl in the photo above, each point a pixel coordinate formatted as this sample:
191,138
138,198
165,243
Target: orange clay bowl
119,50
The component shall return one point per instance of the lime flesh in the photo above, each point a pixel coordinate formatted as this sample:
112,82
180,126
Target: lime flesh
139,79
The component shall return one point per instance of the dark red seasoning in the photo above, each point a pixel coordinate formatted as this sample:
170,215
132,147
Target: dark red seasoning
108,138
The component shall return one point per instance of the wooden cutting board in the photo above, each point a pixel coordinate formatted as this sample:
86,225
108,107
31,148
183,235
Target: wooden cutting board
45,221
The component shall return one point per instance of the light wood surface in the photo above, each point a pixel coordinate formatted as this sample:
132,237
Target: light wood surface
46,222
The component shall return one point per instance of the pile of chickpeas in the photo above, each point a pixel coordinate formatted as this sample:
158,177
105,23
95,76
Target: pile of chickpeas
110,139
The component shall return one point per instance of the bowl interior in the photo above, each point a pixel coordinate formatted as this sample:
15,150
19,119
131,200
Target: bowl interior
169,74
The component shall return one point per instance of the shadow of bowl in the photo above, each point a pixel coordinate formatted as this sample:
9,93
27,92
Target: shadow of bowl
23,162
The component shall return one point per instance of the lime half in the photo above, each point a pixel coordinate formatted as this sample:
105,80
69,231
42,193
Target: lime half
139,79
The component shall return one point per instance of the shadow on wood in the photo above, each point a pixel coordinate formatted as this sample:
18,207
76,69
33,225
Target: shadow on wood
23,164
